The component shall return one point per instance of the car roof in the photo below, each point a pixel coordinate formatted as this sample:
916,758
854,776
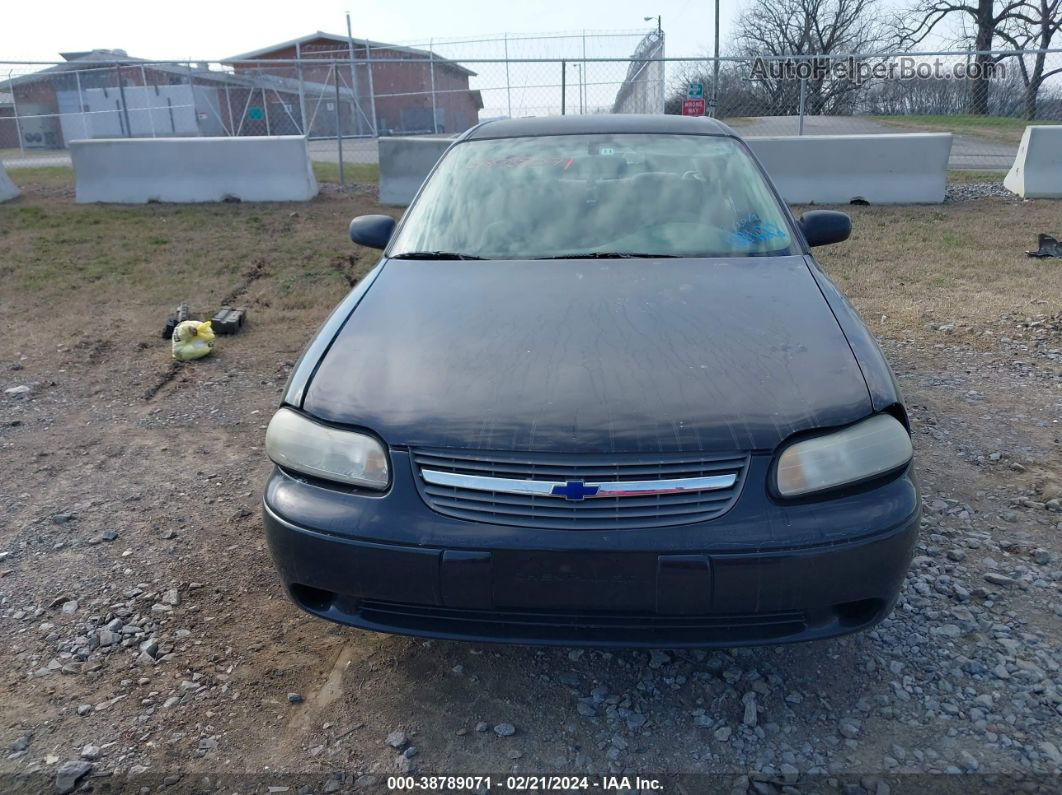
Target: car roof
597,123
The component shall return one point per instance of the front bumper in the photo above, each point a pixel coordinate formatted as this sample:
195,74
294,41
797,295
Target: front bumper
763,573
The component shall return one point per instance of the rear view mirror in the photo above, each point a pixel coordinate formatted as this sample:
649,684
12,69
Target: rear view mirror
373,231
822,227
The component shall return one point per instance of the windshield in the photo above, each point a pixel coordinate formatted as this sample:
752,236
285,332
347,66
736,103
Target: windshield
595,195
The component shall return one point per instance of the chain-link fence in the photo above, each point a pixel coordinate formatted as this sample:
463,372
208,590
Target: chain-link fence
344,94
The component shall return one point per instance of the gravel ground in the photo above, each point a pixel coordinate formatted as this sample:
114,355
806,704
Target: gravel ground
965,191
147,644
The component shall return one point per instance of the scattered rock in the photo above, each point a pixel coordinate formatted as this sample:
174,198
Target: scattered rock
208,744
658,658
90,752
21,743
965,191
69,774
849,728
1001,580
397,739
505,730
750,717
150,647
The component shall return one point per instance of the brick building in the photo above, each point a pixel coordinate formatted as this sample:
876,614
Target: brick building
404,90
109,94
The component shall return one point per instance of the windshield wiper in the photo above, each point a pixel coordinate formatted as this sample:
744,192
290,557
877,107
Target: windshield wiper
611,255
434,255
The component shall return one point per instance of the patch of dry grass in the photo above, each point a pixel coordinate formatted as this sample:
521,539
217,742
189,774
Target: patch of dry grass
43,177
1002,129
959,177
352,172
907,268
125,267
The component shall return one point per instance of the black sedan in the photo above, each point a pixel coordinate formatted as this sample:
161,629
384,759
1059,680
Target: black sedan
596,392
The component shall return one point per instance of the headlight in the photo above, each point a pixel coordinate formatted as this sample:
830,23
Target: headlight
861,451
297,443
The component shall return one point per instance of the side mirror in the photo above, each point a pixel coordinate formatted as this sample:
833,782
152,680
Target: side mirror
822,227
373,231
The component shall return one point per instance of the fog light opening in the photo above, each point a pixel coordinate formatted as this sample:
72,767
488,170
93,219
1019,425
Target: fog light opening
311,598
851,614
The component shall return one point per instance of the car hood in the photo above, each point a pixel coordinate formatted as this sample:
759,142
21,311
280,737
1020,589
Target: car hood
669,355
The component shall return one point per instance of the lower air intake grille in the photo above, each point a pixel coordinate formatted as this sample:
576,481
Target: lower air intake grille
692,488
557,627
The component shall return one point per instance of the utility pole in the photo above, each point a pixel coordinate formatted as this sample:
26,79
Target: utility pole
564,85
339,123
663,65
121,93
663,75
431,65
303,123
353,78
372,91
508,87
715,65
582,79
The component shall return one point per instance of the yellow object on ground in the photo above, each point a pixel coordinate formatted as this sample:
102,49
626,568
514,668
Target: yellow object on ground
192,340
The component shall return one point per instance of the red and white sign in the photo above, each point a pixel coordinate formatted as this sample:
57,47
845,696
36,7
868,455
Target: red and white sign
693,107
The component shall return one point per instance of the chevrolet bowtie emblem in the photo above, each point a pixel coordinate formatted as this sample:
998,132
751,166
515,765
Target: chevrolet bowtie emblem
575,490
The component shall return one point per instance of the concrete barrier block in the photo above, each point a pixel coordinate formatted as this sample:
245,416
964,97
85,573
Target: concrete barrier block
7,187
837,169
140,170
404,163
1037,169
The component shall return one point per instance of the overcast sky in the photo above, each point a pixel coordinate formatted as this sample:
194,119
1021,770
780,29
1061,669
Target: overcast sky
213,29
209,30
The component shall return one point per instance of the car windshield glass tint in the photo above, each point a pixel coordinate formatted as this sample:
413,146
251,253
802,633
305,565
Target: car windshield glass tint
580,195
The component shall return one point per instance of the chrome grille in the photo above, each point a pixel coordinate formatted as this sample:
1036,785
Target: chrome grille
601,512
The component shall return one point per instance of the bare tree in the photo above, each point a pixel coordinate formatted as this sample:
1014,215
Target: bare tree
1033,29
814,29
989,17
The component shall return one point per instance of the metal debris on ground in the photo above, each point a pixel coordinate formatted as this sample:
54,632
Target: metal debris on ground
177,317
228,320
1048,247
